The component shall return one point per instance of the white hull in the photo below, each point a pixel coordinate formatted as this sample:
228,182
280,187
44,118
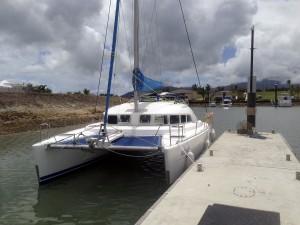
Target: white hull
51,163
176,159
285,103
285,100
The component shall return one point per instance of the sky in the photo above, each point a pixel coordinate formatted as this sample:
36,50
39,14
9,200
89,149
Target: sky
59,43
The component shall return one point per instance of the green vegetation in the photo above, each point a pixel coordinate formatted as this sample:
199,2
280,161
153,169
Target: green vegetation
202,93
268,95
86,91
29,88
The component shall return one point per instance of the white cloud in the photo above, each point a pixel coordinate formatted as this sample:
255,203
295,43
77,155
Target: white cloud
72,33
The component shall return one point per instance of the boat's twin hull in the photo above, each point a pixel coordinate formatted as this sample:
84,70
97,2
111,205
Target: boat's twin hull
178,157
51,163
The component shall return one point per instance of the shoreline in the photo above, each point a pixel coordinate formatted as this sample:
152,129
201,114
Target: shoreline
32,123
242,104
24,112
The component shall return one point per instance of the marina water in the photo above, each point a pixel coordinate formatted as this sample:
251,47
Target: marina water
117,190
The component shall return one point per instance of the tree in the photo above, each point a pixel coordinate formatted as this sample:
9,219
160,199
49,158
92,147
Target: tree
194,87
297,90
166,89
207,90
220,88
29,88
38,88
201,91
289,83
86,91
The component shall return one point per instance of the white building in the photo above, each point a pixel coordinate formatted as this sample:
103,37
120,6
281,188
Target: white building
6,86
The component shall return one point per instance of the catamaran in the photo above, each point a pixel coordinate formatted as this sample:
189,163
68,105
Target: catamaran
138,127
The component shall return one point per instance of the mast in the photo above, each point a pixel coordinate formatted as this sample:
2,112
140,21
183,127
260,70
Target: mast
112,59
136,53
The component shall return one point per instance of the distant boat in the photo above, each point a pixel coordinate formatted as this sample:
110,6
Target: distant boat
285,100
213,104
226,102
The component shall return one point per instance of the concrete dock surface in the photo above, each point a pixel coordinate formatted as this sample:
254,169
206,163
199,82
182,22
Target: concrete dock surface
243,181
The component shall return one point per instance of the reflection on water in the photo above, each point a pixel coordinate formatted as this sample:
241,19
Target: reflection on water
117,190
114,191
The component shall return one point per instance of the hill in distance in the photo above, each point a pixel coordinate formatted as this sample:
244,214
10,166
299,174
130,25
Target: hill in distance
263,85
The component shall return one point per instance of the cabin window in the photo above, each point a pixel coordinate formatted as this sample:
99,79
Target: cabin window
166,120
174,119
189,118
112,119
161,119
183,118
145,118
125,118
158,119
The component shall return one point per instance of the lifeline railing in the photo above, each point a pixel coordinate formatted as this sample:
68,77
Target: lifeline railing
180,128
44,126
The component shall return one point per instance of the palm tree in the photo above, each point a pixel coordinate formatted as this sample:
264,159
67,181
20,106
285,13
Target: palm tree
207,90
194,87
220,88
297,90
86,91
289,83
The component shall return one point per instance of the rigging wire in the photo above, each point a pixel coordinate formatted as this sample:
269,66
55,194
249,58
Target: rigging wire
158,46
98,90
189,42
148,33
131,66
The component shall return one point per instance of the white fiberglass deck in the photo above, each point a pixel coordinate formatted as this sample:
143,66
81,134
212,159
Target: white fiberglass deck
245,179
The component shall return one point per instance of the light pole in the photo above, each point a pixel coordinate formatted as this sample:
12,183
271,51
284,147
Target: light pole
251,103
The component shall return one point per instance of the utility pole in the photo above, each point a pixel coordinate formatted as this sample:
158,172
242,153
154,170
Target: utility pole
276,98
251,103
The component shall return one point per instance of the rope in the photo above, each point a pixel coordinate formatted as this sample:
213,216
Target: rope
186,154
133,156
189,42
98,90
158,46
126,38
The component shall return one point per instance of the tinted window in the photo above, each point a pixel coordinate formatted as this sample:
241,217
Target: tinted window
166,120
189,118
145,118
125,118
183,118
112,119
174,119
159,119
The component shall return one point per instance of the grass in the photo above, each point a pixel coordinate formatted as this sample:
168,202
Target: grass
268,95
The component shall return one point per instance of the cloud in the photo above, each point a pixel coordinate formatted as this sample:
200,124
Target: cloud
60,42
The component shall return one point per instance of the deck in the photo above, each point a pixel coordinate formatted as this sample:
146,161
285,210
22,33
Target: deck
243,180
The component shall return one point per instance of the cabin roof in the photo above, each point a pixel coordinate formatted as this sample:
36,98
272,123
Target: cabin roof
159,108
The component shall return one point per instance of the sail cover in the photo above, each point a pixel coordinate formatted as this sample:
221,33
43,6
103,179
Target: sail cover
145,84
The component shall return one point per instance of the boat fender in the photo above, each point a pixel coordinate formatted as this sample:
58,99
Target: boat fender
207,143
212,135
189,159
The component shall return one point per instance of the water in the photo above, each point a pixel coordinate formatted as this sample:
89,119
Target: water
115,191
